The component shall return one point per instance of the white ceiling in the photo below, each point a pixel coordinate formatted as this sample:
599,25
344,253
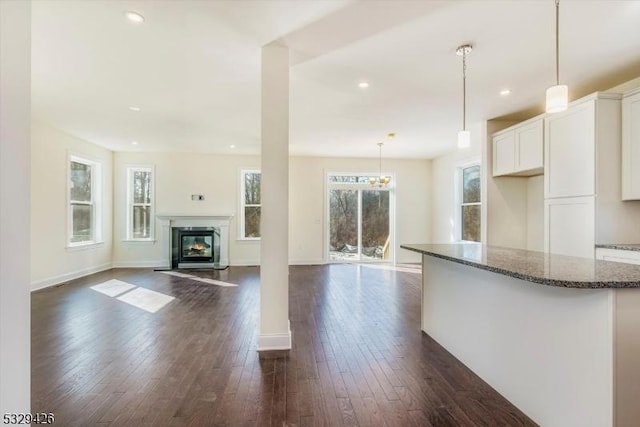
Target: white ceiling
193,67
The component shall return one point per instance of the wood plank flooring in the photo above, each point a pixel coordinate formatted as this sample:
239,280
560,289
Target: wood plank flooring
358,357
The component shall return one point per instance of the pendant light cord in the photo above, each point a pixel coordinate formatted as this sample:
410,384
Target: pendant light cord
464,88
557,42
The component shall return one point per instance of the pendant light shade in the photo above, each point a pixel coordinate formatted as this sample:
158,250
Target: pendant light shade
464,139
558,95
557,98
464,136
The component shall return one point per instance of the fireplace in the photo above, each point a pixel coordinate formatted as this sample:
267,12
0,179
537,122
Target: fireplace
196,241
196,246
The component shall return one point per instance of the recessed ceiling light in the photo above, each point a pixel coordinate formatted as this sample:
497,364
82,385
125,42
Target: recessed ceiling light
134,108
232,146
363,85
134,142
505,92
134,17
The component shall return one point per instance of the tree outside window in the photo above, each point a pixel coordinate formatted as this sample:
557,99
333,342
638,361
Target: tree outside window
251,204
470,207
84,188
139,200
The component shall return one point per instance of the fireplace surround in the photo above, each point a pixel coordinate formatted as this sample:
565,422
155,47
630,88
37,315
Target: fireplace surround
196,241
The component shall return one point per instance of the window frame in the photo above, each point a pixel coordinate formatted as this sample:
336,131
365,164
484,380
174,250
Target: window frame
458,200
130,205
243,205
96,234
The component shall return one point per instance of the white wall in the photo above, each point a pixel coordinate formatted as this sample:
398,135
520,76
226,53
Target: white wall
442,187
15,302
535,213
51,261
178,175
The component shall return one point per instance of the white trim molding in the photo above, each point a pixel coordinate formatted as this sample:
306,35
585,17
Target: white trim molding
56,280
268,342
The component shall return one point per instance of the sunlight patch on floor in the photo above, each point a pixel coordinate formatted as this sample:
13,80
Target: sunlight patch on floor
199,279
113,287
142,298
146,299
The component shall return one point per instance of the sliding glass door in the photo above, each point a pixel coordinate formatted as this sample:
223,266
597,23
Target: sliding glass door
359,219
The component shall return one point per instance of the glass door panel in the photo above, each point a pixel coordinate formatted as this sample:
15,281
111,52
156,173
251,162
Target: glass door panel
375,225
343,224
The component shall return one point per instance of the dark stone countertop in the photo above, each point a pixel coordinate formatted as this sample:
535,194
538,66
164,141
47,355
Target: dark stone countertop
621,246
537,267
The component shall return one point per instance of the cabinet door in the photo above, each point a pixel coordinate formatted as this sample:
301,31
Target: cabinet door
618,255
503,153
570,226
570,152
631,147
529,146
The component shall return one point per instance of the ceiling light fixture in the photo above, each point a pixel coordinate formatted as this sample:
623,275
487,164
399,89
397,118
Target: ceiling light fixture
232,146
363,85
464,136
557,96
134,108
134,17
505,92
381,180
134,142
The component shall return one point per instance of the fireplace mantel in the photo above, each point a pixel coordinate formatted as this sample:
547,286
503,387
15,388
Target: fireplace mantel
222,222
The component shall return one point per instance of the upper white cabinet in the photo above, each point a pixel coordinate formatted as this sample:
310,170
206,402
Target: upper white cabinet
631,146
518,150
570,152
503,153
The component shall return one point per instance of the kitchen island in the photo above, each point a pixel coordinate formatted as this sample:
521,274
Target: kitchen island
558,336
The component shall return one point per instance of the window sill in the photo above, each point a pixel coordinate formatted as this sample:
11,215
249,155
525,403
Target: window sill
83,246
248,239
139,241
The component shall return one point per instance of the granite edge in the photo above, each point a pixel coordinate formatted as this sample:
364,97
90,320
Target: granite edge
534,279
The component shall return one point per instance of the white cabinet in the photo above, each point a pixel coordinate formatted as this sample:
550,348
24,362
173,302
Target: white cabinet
518,150
503,153
631,146
529,146
618,255
570,152
570,226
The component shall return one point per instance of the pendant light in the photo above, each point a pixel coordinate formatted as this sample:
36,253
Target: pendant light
464,136
557,96
382,180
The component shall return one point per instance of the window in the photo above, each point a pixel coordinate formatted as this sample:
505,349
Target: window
140,203
470,203
250,204
84,219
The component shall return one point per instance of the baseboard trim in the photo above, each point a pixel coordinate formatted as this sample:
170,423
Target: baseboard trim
56,280
268,342
140,264
319,261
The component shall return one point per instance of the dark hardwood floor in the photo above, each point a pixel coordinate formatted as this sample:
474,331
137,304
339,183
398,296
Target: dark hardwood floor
358,357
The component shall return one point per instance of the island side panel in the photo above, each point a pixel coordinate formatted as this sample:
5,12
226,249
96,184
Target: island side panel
627,357
548,350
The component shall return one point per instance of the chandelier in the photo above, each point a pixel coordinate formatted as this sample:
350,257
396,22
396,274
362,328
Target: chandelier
381,180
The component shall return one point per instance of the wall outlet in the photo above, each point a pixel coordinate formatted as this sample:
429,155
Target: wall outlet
199,197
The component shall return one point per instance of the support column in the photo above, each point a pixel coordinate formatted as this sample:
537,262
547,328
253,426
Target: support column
15,187
274,225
